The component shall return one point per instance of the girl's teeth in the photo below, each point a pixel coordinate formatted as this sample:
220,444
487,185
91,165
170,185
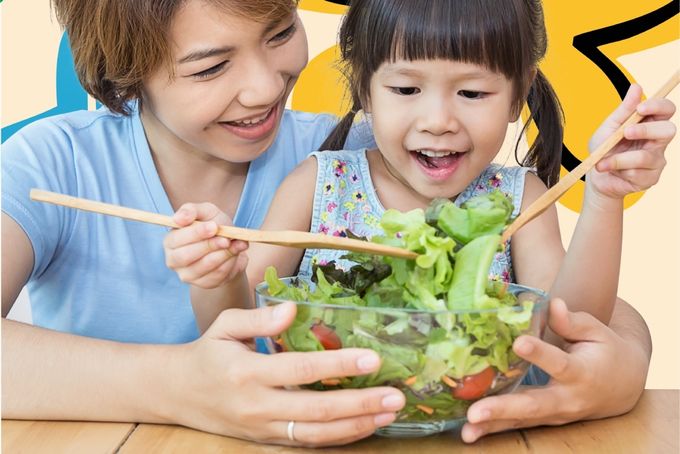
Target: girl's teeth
435,154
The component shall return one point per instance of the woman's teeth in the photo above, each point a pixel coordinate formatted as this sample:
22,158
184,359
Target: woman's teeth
435,154
251,121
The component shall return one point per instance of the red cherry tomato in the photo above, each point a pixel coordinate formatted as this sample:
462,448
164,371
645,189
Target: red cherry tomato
326,336
474,386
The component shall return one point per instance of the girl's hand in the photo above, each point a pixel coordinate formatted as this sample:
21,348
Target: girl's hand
636,162
198,256
598,374
221,386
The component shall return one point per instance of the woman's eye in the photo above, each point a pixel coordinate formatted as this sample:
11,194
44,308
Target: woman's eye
284,34
210,71
471,94
405,91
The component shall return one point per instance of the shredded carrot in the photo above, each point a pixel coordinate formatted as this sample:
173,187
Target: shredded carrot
282,344
330,381
449,381
425,409
410,381
513,373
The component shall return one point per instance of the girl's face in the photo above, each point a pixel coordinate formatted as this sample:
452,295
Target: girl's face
438,123
232,79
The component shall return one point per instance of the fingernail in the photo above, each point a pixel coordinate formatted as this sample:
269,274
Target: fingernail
392,402
368,362
384,419
480,416
279,311
524,347
476,434
603,166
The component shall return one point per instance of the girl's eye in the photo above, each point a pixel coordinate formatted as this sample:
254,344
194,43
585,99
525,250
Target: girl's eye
405,91
210,71
281,36
470,94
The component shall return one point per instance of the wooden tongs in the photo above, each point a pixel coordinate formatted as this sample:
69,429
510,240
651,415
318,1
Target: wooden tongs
304,240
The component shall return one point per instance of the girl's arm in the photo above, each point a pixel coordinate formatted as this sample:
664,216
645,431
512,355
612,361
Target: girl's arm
587,276
291,209
214,266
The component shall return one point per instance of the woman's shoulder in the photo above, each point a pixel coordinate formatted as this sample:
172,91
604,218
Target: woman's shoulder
67,131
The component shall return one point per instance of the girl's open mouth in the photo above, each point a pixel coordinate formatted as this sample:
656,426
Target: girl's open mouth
254,128
438,165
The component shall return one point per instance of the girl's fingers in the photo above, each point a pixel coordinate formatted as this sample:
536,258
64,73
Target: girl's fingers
189,253
224,273
190,234
651,130
633,160
205,265
625,109
316,406
657,109
200,212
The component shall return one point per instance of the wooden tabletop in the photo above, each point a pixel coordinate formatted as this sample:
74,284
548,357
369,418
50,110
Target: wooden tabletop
651,427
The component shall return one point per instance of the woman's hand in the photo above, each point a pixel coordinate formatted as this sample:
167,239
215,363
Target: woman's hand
636,162
221,386
597,375
195,252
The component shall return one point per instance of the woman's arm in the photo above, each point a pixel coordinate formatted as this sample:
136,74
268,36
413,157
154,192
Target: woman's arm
599,372
52,375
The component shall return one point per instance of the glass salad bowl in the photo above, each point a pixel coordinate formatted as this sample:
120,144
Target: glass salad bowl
442,360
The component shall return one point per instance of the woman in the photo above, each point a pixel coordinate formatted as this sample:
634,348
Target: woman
204,84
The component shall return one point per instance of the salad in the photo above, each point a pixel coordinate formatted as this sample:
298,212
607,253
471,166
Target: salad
444,331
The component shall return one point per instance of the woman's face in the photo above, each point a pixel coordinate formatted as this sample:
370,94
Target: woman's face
232,79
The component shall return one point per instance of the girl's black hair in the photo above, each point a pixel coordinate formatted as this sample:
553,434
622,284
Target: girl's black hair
505,36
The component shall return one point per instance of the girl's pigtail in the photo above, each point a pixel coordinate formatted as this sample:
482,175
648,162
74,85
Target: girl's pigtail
336,139
545,154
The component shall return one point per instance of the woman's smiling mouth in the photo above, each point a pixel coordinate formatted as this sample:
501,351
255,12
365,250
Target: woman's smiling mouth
256,127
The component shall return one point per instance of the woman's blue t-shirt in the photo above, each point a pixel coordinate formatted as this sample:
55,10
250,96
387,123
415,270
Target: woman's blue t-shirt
105,277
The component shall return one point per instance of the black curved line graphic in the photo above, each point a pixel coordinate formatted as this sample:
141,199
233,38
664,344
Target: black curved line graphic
588,44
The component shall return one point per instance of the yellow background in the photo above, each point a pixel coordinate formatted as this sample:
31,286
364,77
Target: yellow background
650,276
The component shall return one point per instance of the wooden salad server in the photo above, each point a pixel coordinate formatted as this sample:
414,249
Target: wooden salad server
304,240
551,195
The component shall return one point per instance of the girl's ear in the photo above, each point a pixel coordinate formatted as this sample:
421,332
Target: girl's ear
526,87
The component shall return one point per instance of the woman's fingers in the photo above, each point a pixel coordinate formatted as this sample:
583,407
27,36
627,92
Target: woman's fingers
303,368
315,406
245,324
333,433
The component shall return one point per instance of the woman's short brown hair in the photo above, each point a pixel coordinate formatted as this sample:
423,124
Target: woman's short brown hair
116,44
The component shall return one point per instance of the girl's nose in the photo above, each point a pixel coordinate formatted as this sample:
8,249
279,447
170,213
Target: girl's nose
438,118
262,84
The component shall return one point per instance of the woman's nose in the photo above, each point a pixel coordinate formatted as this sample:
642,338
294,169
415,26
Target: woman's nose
438,117
262,84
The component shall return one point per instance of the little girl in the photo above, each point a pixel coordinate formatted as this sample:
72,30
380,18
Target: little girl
440,80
